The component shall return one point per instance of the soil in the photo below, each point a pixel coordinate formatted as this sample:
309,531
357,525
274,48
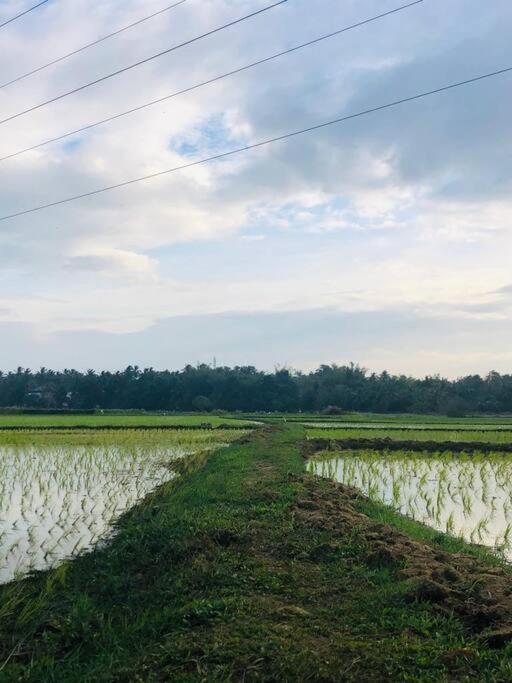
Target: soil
315,445
478,593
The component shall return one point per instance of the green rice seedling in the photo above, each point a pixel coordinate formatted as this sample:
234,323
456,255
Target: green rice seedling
507,536
467,504
493,505
58,492
373,489
471,495
410,504
423,479
485,493
482,528
450,525
413,433
396,492
430,506
506,507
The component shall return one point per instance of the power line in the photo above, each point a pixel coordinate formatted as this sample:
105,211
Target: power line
22,14
257,145
143,61
88,45
209,81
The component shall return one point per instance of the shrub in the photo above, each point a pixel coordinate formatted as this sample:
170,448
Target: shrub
332,410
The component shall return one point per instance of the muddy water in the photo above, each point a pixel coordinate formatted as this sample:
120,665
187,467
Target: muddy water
56,502
470,497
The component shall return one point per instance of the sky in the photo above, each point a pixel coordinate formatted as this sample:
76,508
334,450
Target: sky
385,240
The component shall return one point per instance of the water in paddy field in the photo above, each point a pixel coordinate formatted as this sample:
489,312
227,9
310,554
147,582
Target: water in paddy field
57,501
466,496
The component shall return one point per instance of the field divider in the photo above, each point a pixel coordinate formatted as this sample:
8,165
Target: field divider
414,428
315,445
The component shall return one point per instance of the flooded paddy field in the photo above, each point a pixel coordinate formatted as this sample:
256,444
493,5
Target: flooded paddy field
465,495
454,476
62,492
245,551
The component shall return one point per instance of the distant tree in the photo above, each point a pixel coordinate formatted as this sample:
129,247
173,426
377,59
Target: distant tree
244,388
333,410
202,404
454,407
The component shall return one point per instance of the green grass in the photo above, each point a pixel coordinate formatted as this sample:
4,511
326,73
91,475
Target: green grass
126,438
69,421
441,435
213,579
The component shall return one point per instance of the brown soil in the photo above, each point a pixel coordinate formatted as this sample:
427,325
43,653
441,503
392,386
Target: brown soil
315,445
478,593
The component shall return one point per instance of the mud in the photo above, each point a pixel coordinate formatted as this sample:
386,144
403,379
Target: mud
390,427
314,445
478,593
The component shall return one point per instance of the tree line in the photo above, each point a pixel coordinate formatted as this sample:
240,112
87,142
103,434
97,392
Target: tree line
330,388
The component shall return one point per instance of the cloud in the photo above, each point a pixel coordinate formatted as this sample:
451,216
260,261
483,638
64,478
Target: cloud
115,263
300,338
407,209
507,289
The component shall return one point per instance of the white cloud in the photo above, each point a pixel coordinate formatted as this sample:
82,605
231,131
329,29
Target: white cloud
115,263
409,208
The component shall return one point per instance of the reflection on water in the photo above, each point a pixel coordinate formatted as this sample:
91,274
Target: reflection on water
466,496
57,501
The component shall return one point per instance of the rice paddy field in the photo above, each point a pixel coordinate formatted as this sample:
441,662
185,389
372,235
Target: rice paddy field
104,421
61,493
384,418
411,426
468,496
66,479
468,435
457,490
198,548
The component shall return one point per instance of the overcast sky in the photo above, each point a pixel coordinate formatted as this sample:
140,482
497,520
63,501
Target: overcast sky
385,240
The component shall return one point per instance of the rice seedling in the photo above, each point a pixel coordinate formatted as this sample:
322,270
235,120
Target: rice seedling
467,504
466,495
482,528
61,493
507,535
119,421
500,435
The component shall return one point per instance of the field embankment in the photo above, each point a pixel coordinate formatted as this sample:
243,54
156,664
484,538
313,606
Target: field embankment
247,569
335,444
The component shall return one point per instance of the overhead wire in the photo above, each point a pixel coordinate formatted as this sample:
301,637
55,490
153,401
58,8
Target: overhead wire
57,60
262,143
22,14
210,81
124,69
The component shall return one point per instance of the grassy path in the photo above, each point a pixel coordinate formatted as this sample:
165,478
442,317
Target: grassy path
235,573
